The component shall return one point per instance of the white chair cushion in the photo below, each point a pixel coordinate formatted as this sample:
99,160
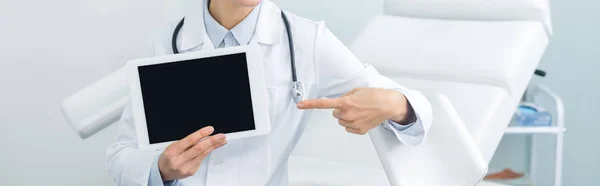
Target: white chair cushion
475,106
502,53
484,109
483,66
491,10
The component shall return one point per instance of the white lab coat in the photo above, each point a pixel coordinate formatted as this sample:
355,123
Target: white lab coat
323,63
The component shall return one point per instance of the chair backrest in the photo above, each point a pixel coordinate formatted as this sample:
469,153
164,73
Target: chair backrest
492,61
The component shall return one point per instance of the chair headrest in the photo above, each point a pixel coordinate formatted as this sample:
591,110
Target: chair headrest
538,10
499,53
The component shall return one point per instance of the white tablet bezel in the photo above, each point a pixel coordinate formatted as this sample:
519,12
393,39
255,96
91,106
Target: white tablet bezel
258,91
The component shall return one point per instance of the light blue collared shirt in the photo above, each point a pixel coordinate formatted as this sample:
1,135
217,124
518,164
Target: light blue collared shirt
241,34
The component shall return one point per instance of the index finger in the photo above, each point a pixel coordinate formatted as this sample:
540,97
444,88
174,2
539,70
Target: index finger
320,104
190,140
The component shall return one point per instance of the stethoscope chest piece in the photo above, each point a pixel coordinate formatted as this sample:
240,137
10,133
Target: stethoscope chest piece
298,91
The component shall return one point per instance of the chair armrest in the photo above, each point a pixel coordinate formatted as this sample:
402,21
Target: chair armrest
98,105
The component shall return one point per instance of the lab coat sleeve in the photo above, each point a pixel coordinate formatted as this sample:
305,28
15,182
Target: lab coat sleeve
339,71
126,163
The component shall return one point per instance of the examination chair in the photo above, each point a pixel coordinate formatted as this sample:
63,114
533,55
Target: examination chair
473,59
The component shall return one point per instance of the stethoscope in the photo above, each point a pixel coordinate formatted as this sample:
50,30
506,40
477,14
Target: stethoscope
298,86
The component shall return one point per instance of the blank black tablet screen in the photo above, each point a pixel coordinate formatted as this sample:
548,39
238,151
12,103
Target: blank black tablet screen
182,97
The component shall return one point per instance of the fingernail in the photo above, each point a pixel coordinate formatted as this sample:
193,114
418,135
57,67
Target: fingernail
210,129
300,105
221,137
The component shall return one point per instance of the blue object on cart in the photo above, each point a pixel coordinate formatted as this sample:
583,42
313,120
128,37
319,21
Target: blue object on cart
529,114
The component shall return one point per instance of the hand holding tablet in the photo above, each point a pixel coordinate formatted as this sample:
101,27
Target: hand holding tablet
173,96
182,159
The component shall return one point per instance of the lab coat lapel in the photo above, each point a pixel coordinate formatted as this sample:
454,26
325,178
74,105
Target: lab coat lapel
268,33
269,26
193,33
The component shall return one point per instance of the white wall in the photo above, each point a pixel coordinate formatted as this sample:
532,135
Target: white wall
48,50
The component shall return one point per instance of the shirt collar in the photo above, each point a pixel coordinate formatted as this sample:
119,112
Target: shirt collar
242,32
269,29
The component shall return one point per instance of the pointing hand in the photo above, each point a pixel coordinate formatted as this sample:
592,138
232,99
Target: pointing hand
363,109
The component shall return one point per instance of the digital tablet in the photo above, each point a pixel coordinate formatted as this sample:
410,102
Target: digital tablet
175,95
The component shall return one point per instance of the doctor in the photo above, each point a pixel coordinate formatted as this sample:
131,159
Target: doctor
361,99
